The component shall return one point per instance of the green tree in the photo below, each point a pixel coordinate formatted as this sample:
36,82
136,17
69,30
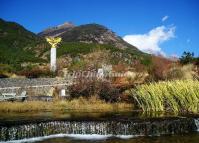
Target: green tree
187,58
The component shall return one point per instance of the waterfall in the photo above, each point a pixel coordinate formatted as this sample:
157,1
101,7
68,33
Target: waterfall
105,128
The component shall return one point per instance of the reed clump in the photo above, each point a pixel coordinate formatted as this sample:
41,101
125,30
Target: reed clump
169,96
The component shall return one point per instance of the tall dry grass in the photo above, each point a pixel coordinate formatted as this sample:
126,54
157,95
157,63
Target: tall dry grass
181,72
172,96
80,105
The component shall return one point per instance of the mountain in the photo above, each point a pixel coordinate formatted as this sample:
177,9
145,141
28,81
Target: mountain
88,46
78,41
18,45
88,33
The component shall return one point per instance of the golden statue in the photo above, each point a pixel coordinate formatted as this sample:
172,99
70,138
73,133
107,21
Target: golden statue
53,41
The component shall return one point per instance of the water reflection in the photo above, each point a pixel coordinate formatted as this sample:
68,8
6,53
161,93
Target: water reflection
52,115
55,115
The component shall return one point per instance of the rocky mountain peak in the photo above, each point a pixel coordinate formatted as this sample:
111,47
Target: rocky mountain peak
57,30
66,25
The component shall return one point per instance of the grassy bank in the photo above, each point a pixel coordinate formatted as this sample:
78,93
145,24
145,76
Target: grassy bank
172,96
80,105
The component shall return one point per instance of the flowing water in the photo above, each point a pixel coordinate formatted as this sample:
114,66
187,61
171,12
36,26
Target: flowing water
49,127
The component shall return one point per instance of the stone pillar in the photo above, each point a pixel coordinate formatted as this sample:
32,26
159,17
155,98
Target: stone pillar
53,59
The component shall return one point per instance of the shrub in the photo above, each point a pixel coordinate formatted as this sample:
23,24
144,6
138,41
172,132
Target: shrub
82,88
160,66
36,73
103,89
175,73
197,61
182,72
5,70
188,72
109,93
78,65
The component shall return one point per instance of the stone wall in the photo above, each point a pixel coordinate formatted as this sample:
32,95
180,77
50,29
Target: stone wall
34,87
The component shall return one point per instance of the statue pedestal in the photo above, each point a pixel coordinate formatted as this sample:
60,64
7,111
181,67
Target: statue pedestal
53,59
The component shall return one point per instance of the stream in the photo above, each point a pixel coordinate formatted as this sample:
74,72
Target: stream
74,127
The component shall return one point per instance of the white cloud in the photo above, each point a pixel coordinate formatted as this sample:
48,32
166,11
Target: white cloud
150,42
165,18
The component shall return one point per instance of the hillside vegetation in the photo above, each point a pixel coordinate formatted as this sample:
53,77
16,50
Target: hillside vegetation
18,45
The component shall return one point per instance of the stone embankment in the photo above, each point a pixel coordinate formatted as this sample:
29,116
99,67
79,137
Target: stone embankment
34,87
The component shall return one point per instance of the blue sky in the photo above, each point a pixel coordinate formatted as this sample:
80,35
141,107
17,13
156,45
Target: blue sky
140,22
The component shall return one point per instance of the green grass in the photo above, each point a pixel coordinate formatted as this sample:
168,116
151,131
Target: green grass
170,96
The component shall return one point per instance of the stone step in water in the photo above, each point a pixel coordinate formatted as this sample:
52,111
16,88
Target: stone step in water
110,128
